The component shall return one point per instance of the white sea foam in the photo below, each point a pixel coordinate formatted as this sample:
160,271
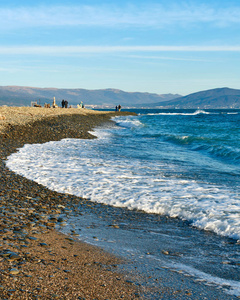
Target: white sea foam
231,287
128,122
79,167
197,112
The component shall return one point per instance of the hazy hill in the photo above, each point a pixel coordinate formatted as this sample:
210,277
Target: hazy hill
215,98
22,96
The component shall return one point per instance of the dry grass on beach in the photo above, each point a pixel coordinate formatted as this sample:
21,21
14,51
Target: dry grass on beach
37,262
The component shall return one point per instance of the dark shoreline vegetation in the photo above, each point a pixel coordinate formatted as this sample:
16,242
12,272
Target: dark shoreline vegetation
36,262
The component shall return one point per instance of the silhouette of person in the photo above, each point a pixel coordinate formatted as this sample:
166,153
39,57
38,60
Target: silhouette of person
63,103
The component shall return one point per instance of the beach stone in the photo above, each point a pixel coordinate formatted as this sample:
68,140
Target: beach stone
50,224
32,238
63,224
53,219
226,262
129,282
61,206
2,117
69,239
137,295
74,234
14,257
114,226
14,271
16,191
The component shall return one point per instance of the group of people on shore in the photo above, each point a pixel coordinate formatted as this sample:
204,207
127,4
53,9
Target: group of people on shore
118,108
64,103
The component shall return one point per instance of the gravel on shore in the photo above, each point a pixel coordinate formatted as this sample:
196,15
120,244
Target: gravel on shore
36,261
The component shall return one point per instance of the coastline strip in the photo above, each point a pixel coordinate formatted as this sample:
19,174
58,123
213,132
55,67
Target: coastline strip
36,261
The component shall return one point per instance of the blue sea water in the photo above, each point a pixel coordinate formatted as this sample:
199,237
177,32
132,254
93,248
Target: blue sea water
182,164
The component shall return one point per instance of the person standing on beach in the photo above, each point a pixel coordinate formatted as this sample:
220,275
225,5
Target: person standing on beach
119,107
63,103
66,103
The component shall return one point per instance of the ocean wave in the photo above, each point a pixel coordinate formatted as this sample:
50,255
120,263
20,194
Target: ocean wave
197,112
220,151
101,134
205,144
128,122
134,184
186,139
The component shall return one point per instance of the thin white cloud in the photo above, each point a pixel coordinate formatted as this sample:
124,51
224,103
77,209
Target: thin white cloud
76,50
153,57
155,15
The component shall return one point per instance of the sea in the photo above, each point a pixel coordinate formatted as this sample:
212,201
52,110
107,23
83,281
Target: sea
165,186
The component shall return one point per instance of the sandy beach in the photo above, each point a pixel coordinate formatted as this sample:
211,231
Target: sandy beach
36,261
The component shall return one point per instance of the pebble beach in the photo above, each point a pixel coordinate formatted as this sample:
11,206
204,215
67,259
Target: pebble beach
37,261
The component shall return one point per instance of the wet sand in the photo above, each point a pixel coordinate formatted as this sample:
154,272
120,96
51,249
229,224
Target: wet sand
36,261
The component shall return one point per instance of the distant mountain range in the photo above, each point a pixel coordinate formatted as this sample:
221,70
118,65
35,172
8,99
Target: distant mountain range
212,99
22,96
109,98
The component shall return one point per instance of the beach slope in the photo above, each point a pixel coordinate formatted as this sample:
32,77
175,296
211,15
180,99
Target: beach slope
36,261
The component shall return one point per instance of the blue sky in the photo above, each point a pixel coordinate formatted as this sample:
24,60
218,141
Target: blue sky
147,46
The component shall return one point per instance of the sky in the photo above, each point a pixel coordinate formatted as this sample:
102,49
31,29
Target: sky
177,47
